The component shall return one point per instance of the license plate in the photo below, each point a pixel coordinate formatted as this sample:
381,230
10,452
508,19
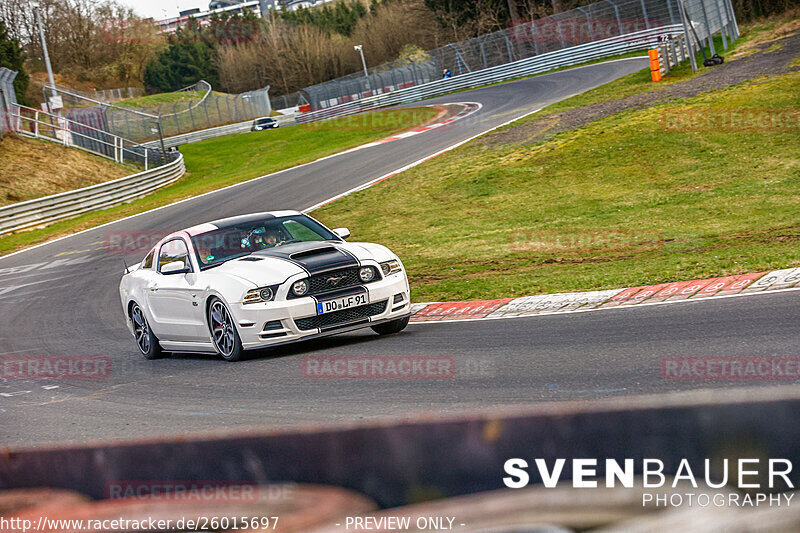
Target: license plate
344,302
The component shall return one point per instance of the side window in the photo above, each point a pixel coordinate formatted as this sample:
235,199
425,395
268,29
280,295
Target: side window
171,251
148,261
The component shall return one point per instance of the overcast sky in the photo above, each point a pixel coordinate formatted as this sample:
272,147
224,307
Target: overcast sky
159,9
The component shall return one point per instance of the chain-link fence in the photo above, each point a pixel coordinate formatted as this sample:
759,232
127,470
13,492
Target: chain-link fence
202,109
89,134
594,22
106,95
288,102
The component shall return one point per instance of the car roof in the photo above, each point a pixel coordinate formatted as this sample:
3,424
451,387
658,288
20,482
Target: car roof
235,221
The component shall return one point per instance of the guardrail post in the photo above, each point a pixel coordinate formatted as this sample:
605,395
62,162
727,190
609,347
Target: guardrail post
673,52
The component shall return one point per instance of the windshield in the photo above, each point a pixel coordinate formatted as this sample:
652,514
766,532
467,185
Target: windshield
220,245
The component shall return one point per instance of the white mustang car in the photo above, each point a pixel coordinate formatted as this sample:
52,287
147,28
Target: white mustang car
259,280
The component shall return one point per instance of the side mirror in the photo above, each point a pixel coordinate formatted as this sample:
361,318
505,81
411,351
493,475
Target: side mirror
342,233
175,267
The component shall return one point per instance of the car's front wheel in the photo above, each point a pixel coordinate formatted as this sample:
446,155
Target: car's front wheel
145,339
223,331
395,326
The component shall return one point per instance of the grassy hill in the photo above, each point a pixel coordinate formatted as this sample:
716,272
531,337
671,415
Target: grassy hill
31,168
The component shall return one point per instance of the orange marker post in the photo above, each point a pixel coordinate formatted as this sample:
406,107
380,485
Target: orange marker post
655,65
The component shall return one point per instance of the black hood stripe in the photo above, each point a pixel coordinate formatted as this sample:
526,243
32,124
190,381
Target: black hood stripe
330,257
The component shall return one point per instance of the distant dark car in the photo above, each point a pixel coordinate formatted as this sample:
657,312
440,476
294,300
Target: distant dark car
263,123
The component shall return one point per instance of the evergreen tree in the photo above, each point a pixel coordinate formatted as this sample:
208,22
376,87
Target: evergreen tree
12,57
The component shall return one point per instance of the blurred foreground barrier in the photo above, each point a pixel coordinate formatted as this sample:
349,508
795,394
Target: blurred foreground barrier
286,508
550,510
437,456
13,502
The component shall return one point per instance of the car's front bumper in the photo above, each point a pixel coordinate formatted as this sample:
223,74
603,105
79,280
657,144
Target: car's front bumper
279,322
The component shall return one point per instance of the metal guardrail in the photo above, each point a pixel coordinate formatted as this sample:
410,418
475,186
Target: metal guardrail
640,40
219,131
49,209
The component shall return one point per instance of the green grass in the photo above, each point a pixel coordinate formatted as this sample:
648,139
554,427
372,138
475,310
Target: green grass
632,84
621,202
155,100
233,159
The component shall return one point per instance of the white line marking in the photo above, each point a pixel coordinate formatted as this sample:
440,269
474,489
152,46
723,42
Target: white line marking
15,287
631,306
17,393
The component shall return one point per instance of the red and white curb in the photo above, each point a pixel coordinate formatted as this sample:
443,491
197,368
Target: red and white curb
467,108
742,284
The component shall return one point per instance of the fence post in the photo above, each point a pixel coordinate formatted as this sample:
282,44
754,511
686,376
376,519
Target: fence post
588,22
732,18
535,40
644,13
709,35
508,44
616,13
561,34
689,46
722,31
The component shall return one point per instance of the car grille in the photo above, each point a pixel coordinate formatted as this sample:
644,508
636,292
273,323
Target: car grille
319,283
345,316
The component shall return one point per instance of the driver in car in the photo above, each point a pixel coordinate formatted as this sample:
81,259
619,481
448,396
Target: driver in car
271,239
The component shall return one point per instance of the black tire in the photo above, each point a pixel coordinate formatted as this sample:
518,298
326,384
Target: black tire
389,328
223,331
146,341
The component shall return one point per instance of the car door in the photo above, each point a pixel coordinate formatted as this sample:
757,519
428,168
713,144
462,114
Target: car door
174,298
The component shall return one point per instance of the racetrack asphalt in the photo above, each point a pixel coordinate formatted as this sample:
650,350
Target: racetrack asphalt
62,299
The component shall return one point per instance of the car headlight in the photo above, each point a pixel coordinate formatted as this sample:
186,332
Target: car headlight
366,274
261,294
299,288
391,267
